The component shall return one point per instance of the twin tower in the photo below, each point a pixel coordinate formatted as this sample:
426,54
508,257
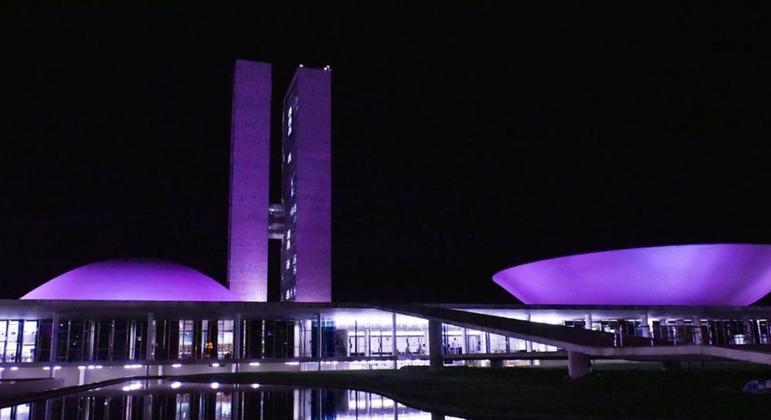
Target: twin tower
303,219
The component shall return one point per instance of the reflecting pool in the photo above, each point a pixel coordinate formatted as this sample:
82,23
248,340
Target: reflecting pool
176,400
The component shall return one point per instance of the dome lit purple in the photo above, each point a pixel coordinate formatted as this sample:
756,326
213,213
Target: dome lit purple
132,280
716,274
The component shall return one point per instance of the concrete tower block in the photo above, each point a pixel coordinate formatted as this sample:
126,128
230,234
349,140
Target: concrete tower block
306,274
249,181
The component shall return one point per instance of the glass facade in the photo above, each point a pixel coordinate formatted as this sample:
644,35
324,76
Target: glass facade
378,336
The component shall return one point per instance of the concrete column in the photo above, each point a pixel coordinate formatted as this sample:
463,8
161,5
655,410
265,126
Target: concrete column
367,349
588,321
393,338
237,327
435,350
579,364
646,328
54,337
696,330
150,339
529,345
319,336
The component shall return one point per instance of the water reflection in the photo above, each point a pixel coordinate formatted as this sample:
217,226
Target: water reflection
174,400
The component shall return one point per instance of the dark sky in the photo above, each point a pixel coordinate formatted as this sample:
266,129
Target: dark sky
468,137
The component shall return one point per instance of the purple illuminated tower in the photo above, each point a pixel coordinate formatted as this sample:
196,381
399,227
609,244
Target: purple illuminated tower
306,250
249,182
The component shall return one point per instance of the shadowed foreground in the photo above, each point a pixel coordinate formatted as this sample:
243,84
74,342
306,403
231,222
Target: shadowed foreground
545,392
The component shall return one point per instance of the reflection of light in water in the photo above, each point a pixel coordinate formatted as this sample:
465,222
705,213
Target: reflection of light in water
220,401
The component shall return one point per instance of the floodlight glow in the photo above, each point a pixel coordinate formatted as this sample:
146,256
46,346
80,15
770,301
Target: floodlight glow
175,385
254,363
132,387
716,274
14,368
255,386
214,385
79,368
176,365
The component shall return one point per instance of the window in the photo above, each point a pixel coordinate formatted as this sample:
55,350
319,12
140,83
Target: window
225,339
289,158
293,209
12,337
29,339
288,243
185,339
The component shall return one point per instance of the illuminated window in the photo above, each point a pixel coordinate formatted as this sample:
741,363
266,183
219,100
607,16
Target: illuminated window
225,339
287,263
288,243
293,209
289,158
289,234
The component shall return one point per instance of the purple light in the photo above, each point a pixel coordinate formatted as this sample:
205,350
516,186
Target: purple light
249,183
719,274
132,280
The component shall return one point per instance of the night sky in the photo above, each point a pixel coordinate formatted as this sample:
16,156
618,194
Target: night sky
467,137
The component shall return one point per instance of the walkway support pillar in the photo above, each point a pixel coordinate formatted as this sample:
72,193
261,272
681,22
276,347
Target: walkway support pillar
435,350
579,364
645,325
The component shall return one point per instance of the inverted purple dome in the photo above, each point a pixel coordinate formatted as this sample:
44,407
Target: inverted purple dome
716,274
132,280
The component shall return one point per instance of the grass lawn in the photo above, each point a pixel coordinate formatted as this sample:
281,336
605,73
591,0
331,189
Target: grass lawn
610,391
